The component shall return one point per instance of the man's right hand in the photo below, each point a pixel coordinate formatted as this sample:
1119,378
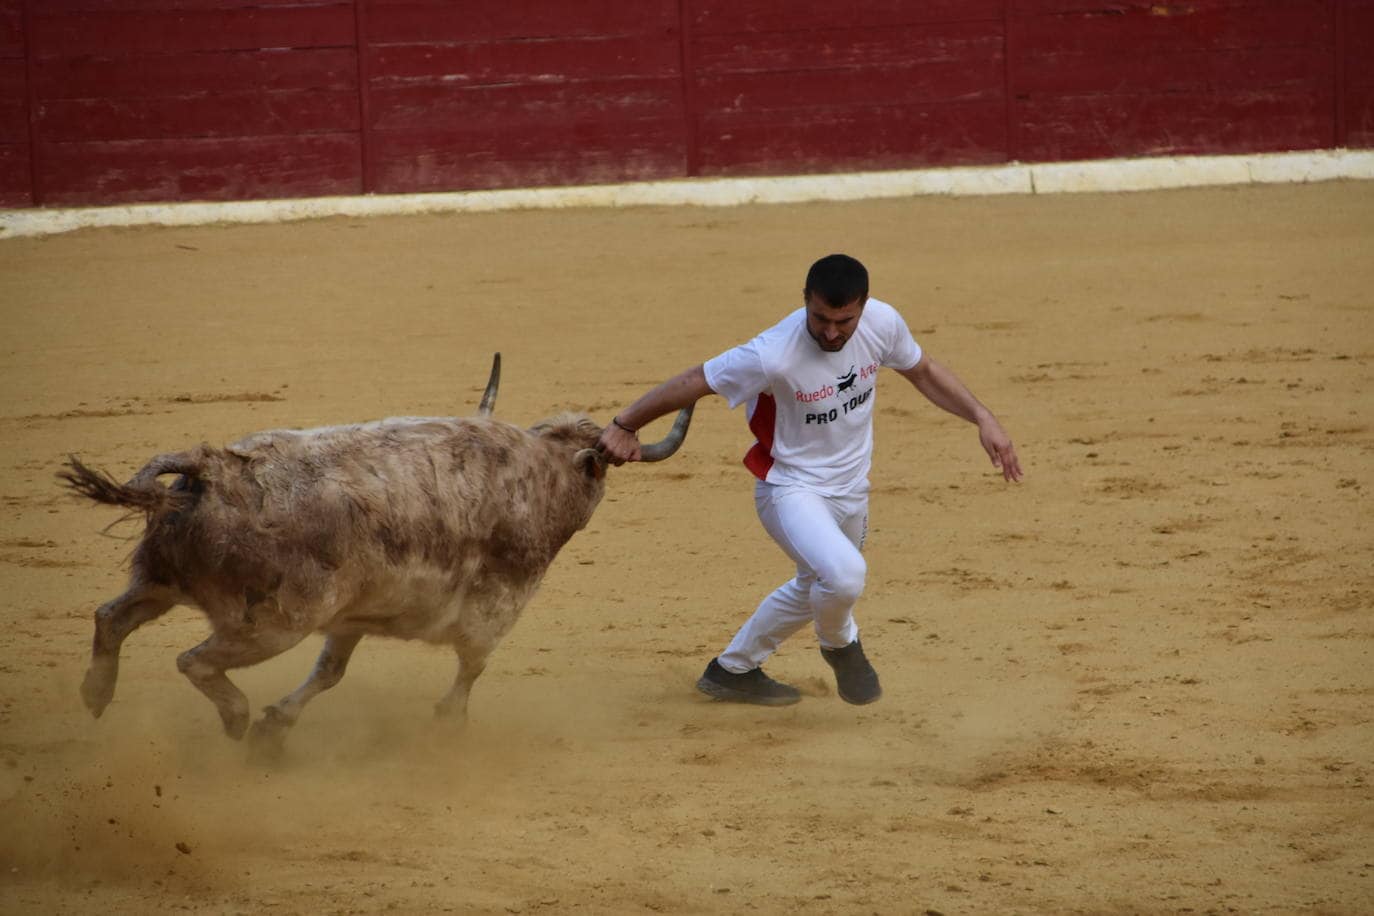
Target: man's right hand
618,445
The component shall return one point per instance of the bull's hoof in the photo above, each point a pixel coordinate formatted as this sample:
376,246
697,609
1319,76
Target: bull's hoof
455,714
267,738
235,719
454,705
98,687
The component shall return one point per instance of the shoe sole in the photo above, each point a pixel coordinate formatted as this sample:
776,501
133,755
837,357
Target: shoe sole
730,695
864,702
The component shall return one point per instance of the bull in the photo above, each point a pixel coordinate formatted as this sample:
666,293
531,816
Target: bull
437,529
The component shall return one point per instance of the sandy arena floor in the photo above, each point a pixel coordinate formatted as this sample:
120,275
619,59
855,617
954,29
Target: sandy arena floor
1140,682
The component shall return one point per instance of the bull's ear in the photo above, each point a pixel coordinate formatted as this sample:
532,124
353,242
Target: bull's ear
591,462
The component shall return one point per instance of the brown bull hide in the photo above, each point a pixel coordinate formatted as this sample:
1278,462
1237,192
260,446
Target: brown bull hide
437,529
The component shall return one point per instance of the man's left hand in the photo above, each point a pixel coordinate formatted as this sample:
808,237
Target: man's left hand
998,445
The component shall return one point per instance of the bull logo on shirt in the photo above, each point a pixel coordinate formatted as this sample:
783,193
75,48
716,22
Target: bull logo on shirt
853,403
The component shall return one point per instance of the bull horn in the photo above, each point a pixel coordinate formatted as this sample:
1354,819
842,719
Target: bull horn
665,447
489,396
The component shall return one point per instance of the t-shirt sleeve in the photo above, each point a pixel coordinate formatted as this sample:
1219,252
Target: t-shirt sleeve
903,351
737,374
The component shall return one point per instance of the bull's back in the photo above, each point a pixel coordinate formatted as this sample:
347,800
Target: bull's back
396,525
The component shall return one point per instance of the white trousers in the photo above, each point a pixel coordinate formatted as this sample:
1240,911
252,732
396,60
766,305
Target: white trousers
824,536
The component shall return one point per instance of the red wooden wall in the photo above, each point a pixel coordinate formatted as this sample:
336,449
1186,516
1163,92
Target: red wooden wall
499,93
1355,71
821,85
109,101
15,172
191,99
1146,78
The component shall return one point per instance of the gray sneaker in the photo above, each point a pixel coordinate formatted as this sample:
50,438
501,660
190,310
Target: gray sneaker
855,678
752,686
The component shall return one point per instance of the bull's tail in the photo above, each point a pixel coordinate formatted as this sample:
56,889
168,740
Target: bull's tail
142,493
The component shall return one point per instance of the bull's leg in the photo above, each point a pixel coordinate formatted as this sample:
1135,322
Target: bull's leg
114,621
472,660
268,734
205,665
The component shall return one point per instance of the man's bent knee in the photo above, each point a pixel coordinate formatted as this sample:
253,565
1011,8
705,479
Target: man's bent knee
844,583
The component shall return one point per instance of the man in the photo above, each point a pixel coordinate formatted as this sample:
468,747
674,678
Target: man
809,381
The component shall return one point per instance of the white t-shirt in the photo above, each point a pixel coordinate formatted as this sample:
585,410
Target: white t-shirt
812,411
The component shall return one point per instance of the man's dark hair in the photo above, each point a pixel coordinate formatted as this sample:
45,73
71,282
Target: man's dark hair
837,280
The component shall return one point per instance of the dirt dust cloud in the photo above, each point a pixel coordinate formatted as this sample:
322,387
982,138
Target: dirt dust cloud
1140,682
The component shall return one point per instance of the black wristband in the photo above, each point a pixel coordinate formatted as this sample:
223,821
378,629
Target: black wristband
616,421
